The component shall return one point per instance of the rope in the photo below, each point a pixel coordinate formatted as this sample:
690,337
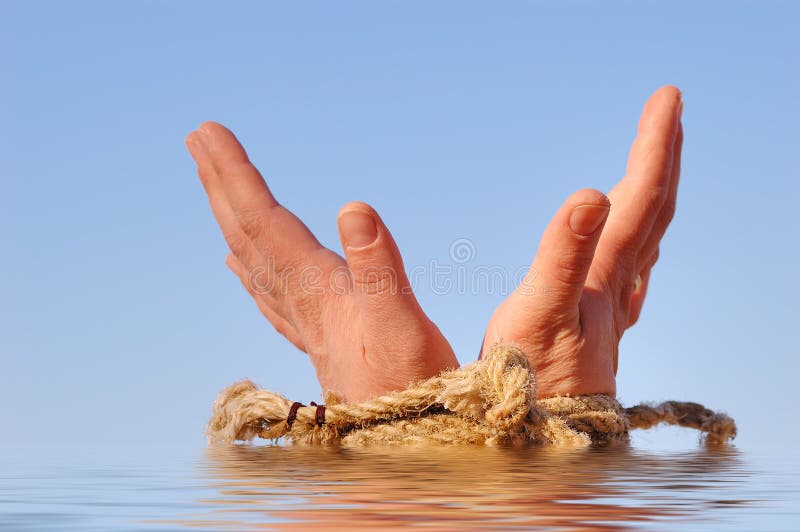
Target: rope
488,402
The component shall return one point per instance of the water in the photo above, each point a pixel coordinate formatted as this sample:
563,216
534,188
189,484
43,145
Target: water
279,487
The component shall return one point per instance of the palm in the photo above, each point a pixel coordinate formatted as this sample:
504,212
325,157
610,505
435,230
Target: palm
565,359
361,362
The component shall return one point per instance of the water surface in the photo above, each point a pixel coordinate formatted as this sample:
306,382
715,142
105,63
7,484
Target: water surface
435,488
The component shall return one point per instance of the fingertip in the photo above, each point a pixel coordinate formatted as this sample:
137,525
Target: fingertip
210,127
588,196
667,96
356,206
215,137
197,143
586,210
358,225
670,91
191,139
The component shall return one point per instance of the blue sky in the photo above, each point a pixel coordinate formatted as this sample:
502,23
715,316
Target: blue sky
119,322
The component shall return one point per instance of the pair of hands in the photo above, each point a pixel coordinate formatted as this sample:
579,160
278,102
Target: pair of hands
357,318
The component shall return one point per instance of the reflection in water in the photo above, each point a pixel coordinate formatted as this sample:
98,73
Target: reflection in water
443,488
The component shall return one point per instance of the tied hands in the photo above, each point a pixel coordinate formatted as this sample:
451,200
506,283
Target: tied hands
370,336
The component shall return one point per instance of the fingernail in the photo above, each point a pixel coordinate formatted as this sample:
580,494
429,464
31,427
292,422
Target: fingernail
358,228
585,219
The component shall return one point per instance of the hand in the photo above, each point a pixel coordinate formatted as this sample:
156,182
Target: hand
358,320
588,281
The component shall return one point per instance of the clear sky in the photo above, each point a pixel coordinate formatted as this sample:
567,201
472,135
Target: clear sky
119,322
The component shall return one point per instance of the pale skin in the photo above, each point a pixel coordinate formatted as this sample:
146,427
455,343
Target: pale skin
357,318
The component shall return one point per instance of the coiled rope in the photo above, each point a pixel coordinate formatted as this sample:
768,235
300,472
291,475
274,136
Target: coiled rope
489,402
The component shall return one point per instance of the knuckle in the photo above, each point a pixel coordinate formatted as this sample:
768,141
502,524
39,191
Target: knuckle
650,262
625,251
668,211
304,308
656,255
253,222
238,243
376,280
572,265
632,319
279,327
655,196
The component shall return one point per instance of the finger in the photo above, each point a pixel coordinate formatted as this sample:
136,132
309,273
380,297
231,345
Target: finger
285,249
638,198
237,241
281,325
553,287
668,209
381,287
639,291
276,233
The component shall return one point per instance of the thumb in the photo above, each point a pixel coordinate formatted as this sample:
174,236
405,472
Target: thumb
383,293
553,287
